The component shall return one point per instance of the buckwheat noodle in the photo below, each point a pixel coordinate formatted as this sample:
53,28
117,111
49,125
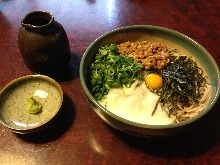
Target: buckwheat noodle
183,114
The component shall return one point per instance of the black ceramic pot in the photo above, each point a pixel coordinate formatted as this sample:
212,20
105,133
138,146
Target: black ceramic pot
43,44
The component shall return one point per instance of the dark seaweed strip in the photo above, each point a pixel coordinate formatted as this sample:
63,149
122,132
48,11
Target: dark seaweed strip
182,81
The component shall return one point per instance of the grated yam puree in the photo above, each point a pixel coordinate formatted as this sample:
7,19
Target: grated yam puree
136,104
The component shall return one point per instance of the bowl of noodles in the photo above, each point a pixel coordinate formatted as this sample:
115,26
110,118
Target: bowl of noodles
148,81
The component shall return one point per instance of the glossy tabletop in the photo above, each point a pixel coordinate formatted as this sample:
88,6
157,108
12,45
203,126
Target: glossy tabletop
79,136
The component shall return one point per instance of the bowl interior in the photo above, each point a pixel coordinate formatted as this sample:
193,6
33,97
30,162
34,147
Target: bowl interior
172,39
14,99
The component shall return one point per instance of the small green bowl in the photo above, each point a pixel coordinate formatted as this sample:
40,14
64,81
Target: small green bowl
172,39
14,99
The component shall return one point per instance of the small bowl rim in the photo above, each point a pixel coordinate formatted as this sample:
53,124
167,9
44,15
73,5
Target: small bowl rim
141,125
26,78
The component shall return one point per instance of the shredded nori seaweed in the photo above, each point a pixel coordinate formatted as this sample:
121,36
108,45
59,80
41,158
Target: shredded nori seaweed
182,81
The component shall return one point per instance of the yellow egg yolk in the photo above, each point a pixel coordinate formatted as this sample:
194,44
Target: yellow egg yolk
154,81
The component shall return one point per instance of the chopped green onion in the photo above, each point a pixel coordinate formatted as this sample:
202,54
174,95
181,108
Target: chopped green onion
112,70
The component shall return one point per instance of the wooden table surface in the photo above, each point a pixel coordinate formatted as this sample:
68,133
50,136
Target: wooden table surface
79,136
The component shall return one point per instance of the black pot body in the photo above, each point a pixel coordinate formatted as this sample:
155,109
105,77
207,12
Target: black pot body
43,44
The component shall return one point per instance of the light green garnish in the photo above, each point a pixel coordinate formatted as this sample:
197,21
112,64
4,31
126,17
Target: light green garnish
33,106
112,70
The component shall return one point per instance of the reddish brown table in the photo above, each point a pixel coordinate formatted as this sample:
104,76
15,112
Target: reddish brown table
79,136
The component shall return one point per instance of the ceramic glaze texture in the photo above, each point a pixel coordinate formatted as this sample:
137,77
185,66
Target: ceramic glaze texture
14,100
78,136
172,39
43,44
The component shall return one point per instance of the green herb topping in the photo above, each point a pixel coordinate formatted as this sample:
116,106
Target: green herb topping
112,70
33,107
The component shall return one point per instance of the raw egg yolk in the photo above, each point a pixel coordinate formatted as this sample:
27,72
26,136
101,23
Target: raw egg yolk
154,81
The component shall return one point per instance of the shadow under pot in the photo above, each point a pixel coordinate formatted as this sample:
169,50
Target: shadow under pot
43,44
